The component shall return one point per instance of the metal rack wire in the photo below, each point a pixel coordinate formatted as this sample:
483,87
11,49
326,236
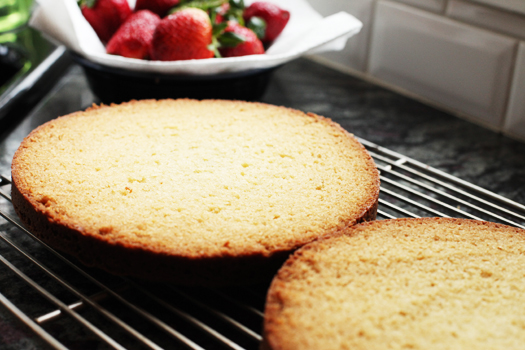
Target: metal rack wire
65,305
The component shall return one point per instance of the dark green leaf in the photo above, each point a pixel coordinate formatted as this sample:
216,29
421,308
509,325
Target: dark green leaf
235,15
219,28
230,39
258,25
213,16
87,3
200,4
237,4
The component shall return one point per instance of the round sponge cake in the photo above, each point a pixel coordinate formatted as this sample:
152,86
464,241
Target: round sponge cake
195,192
403,284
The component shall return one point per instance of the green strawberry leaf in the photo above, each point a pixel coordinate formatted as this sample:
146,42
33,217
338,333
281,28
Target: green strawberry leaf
230,39
213,16
237,4
235,14
87,3
200,4
218,28
258,25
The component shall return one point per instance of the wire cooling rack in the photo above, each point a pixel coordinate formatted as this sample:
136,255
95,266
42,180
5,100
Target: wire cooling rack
66,306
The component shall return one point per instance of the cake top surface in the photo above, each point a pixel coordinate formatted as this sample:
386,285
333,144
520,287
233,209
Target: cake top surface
197,178
403,284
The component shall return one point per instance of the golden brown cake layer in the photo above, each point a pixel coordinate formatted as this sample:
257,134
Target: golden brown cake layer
429,283
207,192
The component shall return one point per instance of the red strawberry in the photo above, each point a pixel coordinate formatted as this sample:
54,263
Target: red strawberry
160,7
275,18
183,35
105,16
133,38
251,45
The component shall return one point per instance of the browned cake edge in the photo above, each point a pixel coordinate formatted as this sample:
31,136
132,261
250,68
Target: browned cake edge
272,337
129,260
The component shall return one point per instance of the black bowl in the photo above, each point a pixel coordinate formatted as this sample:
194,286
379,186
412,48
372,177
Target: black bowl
116,85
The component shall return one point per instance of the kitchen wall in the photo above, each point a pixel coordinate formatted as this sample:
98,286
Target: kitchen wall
464,56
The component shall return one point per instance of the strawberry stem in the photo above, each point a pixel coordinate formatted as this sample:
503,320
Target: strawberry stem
214,46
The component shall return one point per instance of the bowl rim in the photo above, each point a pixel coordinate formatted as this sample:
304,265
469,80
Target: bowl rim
83,61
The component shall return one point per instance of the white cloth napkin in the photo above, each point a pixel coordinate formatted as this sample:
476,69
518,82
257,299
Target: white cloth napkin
307,32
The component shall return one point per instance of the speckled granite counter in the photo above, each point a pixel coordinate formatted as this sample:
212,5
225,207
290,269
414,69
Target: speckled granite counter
430,136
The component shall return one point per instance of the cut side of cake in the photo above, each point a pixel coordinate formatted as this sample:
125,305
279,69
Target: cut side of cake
194,192
431,283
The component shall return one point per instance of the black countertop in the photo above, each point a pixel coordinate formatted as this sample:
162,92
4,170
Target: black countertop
436,138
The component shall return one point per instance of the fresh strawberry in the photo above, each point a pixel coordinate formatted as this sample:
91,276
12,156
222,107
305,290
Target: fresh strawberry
250,46
160,7
133,38
105,16
275,18
183,35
